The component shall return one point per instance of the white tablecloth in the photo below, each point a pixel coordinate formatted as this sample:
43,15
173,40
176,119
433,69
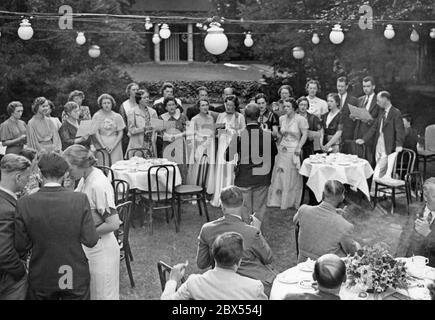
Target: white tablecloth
332,167
135,172
288,282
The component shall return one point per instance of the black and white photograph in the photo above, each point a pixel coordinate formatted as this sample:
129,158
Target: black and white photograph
232,151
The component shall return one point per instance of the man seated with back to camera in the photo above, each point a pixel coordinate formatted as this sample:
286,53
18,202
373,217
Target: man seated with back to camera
220,283
257,254
330,274
322,229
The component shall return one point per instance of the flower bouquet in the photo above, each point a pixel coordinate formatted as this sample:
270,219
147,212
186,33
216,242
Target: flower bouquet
375,270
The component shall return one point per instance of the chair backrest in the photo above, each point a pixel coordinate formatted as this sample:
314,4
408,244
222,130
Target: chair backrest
164,270
124,211
105,156
297,239
404,163
121,189
201,178
136,152
108,172
163,191
429,138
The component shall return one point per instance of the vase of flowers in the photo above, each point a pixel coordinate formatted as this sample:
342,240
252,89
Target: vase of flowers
374,270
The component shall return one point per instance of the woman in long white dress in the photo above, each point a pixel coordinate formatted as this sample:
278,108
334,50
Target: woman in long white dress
200,137
104,256
233,123
285,190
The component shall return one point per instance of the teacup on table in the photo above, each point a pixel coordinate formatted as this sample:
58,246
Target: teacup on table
416,266
419,261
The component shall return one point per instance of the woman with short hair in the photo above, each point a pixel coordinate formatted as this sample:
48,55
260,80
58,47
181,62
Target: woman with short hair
70,126
108,128
42,134
78,97
13,131
104,257
332,126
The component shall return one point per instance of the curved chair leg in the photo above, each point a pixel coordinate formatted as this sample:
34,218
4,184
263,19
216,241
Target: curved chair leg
128,250
179,207
177,227
151,219
130,273
167,216
393,198
198,202
205,208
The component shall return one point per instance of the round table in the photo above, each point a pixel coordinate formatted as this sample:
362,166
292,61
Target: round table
135,172
288,282
345,168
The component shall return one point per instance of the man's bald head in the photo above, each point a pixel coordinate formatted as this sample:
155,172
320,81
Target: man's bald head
252,112
329,271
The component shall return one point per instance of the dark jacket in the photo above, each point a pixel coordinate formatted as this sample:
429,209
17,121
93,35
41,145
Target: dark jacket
422,246
192,111
253,172
393,129
314,124
348,124
10,262
67,133
54,223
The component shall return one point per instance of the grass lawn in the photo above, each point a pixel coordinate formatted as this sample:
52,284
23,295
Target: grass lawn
370,227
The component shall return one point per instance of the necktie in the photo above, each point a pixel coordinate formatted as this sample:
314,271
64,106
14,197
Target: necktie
366,102
429,217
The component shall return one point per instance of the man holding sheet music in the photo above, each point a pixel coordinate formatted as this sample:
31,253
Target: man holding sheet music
368,102
348,123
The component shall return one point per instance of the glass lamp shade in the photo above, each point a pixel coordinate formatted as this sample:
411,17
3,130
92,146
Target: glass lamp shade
298,53
81,39
248,42
414,36
165,33
94,51
156,38
432,33
215,42
315,39
25,31
389,32
336,36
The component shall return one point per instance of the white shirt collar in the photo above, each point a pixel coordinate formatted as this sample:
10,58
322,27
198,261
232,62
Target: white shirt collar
52,184
12,194
176,116
234,215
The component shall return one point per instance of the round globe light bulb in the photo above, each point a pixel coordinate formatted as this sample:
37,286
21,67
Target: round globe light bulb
248,42
315,39
81,39
336,36
94,51
25,31
298,53
414,36
389,32
156,38
165,33
215,42
432,33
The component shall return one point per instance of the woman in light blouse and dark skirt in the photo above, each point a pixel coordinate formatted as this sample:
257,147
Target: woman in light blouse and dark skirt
68,130
42,134
104,256
330,135
13,131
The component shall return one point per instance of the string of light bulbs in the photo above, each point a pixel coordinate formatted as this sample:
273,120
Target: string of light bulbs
216,41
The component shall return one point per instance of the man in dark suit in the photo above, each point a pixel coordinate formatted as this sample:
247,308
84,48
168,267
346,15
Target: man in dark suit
15,172
347,122
194,110
330,274
422,241
54,223
167,91
256,151
367,101
387,132
256,255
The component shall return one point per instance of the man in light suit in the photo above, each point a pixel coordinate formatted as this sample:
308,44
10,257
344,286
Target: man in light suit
347,122
422,241
15,172
322,229
387,132
369,102
330,274
257,254
220,283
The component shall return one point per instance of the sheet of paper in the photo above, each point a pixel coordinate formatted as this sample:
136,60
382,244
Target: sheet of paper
360,113
158,124
315,135
85,128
